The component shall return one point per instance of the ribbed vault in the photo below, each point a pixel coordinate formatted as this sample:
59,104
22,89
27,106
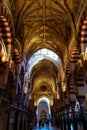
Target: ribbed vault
43,62
53,25
44,76
46,25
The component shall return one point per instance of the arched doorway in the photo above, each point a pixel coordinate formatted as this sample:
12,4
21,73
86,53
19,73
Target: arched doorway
43,112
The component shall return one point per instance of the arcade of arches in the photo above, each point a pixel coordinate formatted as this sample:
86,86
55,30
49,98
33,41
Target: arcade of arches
43,63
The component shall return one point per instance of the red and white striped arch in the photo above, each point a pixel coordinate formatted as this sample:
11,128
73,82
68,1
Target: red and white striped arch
5,33
84,36
6,29
6,13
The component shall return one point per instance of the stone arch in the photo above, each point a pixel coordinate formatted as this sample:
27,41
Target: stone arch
17,51
43,112
6,13
6,28
84,36
5,33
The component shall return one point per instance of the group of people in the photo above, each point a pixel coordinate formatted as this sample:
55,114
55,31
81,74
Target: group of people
43,122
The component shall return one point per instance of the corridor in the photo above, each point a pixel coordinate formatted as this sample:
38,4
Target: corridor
43,64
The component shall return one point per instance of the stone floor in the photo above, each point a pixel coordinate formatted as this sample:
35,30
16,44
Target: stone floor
46,128
79,127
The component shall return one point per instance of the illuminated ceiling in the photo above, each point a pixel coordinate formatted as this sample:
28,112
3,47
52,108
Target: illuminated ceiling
47,24
44,24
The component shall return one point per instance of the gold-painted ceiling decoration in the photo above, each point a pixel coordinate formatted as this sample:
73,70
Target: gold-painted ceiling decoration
49,24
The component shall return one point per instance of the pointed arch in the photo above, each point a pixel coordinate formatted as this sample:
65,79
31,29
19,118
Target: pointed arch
84,36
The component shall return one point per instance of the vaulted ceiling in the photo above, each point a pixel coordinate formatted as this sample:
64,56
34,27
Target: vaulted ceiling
45,24
49,24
